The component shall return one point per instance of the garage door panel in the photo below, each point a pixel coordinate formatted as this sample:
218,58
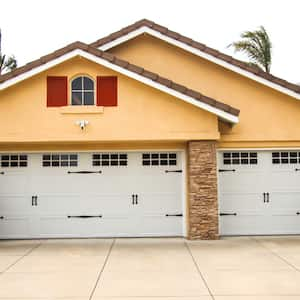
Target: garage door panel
247,180
160,203
14,204
284,223
284,179
56,183
19,184
103,183
57,226
84,204
160,225
160,181
241,201
282,201
243,224
109,226
58,203
15,226
107,204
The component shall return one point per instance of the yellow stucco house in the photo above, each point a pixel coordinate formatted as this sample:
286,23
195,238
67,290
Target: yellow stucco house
146,132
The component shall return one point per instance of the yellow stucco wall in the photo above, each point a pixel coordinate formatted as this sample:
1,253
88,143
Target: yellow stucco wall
268,118
144,114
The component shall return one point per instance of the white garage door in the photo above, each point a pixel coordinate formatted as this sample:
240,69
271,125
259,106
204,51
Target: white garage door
91,194
259,192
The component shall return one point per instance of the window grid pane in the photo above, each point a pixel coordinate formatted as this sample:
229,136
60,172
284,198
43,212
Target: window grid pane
109,159
60,160
240,158
159,159
285,157
13,160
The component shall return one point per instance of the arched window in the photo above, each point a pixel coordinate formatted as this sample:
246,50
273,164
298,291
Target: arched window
82,91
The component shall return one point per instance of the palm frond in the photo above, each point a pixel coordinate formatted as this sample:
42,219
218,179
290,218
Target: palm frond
257,46
7,63
10,63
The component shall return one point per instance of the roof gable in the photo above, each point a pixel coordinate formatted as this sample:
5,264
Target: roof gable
222,110
199,49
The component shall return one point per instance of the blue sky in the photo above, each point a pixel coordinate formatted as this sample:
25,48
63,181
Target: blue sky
32,28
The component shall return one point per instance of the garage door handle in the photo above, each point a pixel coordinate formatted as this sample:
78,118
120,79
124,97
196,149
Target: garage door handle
85,216
173,171
2,173
266,197
226,170
1,217
174,215
134,199
228,214
297,213
34,200
297,170
84,172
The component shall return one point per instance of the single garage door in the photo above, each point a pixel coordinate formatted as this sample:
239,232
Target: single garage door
98,194
259,192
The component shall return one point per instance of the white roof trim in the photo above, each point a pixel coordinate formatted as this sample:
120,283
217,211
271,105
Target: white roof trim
145,29
78,52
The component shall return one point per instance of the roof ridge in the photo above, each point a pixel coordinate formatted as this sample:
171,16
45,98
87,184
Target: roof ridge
200,46
125,65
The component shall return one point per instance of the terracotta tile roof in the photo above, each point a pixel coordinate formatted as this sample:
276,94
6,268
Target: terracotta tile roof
202,47
125,65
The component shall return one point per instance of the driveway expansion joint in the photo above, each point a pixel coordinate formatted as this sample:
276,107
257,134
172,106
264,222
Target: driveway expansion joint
276,254
20,258
198,269
102,269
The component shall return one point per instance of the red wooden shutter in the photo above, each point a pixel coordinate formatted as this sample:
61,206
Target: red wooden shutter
107,91
57,91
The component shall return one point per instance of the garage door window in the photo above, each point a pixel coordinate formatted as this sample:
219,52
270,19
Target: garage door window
240,158
13,160
159,159
110,159
60,160
286,157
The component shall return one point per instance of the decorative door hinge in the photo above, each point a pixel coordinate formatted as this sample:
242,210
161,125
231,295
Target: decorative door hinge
84,172
228,214
85,216
174,215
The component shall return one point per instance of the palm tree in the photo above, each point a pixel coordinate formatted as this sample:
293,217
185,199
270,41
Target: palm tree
257,46
7,63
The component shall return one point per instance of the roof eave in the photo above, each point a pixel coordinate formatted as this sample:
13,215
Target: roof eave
75,51
144,28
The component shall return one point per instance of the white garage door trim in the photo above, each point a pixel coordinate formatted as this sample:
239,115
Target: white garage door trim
270,169
182,166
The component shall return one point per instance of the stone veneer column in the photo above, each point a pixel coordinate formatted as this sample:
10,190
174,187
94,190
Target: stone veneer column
202,190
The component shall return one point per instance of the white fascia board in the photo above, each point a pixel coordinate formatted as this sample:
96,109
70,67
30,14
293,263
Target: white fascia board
38,70
220,113
202,54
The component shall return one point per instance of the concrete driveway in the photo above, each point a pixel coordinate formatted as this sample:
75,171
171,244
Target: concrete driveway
158,269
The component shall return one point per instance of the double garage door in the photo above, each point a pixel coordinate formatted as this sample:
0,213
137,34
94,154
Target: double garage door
259,192
91,194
